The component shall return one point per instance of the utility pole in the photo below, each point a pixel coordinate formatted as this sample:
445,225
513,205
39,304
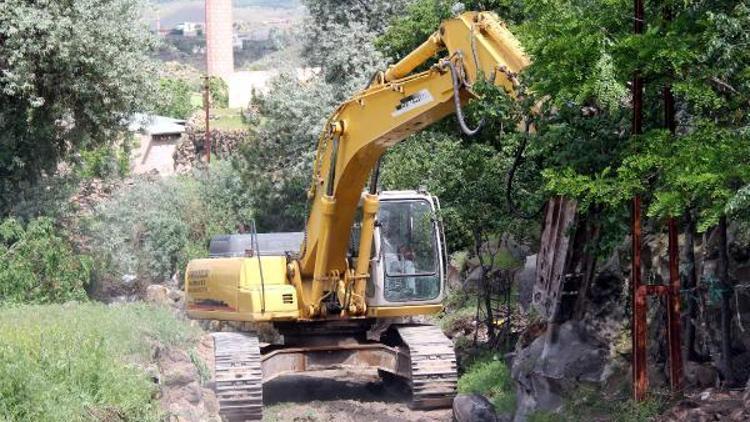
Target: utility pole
638,325
207,88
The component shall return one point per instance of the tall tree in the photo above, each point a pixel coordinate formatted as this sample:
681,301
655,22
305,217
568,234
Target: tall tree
277,161
71,72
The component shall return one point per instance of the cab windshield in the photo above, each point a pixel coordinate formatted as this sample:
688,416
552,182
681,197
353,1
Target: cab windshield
409,250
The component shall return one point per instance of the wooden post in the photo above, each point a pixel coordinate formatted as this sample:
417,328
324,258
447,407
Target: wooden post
207,106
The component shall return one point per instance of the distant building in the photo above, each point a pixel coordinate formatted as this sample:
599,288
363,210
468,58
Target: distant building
158,136
188,29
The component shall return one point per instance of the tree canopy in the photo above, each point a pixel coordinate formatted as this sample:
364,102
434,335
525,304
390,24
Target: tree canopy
71,73
584,55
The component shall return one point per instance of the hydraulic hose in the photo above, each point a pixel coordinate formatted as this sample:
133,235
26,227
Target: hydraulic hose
457,102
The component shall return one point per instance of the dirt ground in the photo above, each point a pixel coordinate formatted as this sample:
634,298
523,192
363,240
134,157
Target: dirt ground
341,396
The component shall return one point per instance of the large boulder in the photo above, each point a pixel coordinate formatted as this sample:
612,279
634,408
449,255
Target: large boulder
555,364
157,294
473,408
524,280
700,375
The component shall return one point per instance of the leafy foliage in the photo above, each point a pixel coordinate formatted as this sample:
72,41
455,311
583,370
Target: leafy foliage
39,264
339,40
81,361
106,161
174,98
219,92
277,162
468,179
584,54
71,73
421,18
154,227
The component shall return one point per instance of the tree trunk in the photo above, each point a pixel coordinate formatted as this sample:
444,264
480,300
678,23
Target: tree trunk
726,311
691,281
484,294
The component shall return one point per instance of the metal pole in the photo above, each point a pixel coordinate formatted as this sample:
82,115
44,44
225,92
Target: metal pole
207,106
207,89
674,323
638,292
673,311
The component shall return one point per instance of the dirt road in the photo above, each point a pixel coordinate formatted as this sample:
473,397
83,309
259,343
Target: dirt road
341,396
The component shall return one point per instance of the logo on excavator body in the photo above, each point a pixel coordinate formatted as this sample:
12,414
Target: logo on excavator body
407,104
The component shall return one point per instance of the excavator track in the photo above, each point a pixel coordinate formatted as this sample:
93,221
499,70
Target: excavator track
433,366
239,376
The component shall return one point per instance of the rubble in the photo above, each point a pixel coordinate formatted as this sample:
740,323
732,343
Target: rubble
710,405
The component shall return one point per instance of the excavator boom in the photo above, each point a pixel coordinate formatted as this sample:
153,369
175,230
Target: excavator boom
340,301
395,105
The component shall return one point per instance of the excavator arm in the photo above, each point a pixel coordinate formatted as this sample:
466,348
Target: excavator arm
396,104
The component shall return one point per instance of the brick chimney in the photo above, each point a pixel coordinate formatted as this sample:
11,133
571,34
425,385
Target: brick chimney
220,55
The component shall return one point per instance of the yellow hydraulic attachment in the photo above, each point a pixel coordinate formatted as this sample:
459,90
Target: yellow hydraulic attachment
396,104
338,301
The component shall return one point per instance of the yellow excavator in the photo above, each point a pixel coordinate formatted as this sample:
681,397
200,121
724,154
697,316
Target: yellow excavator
344,292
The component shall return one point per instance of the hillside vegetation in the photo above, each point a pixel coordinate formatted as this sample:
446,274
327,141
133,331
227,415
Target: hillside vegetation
83,361
76,226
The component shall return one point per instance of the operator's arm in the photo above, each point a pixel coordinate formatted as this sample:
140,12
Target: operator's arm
395,105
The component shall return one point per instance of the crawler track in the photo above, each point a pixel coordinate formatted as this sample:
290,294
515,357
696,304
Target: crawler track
239,376
433,366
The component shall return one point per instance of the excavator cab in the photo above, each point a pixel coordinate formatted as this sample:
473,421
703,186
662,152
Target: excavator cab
408,262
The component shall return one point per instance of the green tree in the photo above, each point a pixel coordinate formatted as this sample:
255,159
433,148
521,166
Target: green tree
71,72
174,98
277,161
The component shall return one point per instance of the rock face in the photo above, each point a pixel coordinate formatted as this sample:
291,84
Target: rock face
473,408
165,295
710,405
556,363
183,395
524,279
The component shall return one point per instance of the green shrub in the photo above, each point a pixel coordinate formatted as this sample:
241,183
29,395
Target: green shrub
491,378
82,361
101,162
174,98
219,92
38,264
152,228
106,161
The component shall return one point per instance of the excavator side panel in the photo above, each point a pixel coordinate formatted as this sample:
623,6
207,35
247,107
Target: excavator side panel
240,289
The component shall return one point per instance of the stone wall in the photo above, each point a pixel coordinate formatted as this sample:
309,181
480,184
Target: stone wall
190,151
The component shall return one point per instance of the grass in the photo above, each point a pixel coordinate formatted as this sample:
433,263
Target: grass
203,371
82,361
491,378
196,100
589,403
227,119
